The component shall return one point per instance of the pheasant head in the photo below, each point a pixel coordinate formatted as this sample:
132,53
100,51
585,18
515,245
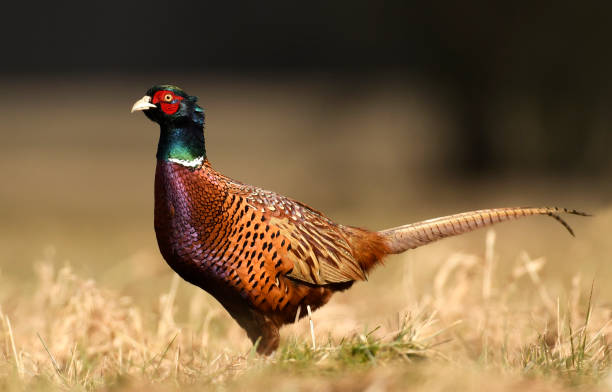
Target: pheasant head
181,123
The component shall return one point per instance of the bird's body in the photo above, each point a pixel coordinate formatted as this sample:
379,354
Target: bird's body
260,254
263,256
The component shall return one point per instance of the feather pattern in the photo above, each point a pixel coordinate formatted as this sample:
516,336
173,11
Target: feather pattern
319,252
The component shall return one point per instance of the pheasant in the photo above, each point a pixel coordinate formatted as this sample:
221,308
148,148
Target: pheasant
263,256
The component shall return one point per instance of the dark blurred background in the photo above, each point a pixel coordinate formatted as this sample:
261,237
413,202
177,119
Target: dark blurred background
375,112
528,84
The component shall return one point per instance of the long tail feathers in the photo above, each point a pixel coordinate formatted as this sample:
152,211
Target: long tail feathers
402,238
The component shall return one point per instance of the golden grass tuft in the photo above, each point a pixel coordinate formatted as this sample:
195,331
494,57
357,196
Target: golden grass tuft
472,330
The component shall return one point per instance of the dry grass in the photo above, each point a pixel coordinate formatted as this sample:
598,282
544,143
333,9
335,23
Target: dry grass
470,331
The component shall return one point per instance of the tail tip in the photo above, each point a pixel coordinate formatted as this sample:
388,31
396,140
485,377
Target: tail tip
574,212
567,211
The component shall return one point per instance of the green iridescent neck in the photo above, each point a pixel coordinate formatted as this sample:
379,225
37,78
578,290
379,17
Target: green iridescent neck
181,143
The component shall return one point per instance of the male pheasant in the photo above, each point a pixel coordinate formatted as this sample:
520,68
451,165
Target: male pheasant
263,256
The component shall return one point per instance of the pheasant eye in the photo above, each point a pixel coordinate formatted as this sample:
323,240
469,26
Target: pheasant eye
168,98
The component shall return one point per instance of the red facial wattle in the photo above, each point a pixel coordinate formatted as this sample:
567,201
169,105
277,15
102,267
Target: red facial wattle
169,102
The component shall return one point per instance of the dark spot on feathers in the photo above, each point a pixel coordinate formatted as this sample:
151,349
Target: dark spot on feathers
269,246
274,255
259,255
255,284
267,280
263,218
251,278
262,264
248,234
256,226
300,251
250,270
252,215
278,263
262,275
248,224
309,261
283,242
239,264
246,208
289,247
267,228
252,243
261,235
239,238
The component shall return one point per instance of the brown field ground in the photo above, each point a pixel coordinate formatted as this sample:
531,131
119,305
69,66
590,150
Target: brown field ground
87,302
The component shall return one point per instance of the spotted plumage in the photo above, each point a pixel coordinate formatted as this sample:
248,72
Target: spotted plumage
263,256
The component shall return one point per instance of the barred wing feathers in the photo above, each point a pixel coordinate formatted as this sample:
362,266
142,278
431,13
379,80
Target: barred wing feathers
320,250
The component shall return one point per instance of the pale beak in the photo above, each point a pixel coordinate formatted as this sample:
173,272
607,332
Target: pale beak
143,103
